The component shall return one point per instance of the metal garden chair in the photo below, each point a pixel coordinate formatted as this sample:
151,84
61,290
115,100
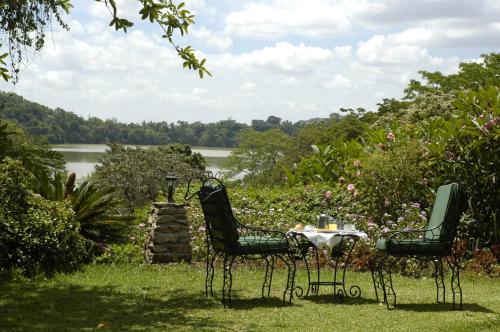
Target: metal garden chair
227,237
435,242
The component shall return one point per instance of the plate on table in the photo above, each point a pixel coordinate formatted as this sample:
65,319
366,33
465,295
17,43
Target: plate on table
350,231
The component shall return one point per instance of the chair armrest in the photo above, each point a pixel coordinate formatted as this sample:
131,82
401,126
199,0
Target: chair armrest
390,235
260,230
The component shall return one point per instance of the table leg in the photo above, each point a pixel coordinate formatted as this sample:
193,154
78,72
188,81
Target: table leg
354,290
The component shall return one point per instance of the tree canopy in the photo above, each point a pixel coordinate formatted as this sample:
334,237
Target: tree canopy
23,25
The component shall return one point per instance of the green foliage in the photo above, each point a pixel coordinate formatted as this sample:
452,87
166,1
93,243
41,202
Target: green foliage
23,24
138,173
327,163
391,106
59,126
131,251
471,76
258,156
36,156
97,212
466,148
36,235
391,178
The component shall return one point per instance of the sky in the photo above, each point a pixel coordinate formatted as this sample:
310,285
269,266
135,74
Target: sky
292,59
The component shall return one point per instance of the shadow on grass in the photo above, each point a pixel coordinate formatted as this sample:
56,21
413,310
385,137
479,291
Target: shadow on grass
63,308
330,299
258,302
440,307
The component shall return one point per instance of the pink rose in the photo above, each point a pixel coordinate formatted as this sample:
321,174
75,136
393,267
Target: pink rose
328,194
351,188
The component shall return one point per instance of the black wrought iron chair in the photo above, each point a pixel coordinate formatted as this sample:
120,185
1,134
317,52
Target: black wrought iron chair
229,238
435,242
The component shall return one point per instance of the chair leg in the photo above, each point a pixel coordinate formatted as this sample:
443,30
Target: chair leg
268,278
290,284
209,278
377,284
439,279
455,280
228,280
386,280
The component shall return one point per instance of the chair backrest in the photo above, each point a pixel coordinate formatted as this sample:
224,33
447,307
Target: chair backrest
220,221
446,214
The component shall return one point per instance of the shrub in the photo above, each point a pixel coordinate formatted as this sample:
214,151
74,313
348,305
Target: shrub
131,250
466,149
37,235
138,173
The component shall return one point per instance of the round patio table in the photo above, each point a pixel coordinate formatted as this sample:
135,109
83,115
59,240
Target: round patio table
337,244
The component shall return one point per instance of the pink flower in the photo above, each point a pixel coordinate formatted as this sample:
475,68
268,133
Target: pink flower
351,188
328,194
385,230
391,137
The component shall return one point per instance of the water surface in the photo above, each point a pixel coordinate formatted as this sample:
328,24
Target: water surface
82,158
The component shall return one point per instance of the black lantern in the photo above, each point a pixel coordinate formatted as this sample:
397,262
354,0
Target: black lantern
171,180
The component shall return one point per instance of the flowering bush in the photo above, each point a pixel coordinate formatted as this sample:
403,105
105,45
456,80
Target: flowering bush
390,181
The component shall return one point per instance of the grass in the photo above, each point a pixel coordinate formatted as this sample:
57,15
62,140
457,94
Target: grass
163,298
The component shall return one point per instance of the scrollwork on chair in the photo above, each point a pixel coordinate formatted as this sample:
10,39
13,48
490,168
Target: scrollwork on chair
227,237
435,242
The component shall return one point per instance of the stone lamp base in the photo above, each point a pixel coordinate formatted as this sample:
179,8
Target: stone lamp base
169,240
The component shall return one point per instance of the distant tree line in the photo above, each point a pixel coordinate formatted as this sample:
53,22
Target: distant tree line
60,126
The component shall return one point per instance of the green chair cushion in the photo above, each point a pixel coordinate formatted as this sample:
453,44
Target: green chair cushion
417,247
248,245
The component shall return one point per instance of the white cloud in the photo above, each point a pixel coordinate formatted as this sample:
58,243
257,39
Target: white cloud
312,18
126,9
211,38
283,57
390,12
339,82
248,86
395,49
61,79
325,54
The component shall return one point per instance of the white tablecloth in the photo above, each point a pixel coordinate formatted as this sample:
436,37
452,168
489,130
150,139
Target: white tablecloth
328,240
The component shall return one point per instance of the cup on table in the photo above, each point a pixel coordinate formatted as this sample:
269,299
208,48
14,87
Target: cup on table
332,227
349,227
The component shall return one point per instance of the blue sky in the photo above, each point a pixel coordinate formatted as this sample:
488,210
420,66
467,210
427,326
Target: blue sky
288,58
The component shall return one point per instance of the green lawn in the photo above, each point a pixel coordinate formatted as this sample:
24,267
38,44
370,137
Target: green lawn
163,298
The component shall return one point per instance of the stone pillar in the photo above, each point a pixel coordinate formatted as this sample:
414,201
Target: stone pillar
169,240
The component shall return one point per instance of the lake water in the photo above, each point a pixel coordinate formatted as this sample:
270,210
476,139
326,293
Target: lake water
81,158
